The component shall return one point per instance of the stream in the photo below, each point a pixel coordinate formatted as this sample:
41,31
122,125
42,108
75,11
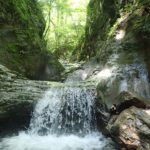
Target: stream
64,119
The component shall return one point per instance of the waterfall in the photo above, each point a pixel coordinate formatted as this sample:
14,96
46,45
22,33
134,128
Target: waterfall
65,110
135,79
64,119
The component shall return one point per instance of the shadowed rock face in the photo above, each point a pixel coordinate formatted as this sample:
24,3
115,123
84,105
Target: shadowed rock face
22,46
127,99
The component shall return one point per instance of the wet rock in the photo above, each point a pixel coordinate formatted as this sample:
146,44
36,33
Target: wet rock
127,99
17,98
126,121
110,146
131,129
102,116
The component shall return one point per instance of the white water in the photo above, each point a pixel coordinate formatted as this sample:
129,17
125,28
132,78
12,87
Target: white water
136,80
65,110
52,142
62,120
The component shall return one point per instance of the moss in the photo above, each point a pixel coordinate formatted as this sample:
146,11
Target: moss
101,17
104,20
22,47
21,9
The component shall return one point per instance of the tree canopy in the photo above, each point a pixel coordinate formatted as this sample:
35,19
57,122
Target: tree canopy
65,24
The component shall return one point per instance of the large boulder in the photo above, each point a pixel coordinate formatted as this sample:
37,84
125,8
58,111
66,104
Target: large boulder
113,115
22,46
107,112
129,122
131,129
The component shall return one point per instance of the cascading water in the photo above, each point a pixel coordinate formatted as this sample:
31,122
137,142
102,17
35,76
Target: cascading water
64,119
135,79
123,71
65,110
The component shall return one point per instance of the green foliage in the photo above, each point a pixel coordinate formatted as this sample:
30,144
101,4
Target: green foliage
21,25
65,23
21,9
109,19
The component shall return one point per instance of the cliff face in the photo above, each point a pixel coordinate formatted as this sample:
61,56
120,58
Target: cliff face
100,16
117,36
22,47
123,26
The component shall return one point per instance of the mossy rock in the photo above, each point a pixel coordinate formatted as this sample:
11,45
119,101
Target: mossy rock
22,47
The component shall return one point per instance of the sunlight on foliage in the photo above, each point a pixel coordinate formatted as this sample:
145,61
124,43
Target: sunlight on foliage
65,24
